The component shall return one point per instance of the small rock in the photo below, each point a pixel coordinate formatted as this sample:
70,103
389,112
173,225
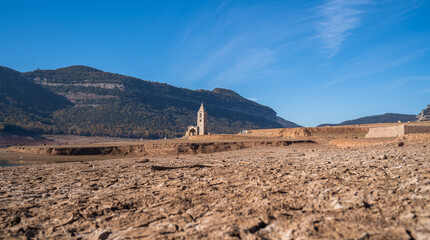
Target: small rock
408,216
364,236
100,234
166,228
383,157
104,235
49,230
400,144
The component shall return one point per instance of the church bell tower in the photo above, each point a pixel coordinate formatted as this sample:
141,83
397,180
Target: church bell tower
202,121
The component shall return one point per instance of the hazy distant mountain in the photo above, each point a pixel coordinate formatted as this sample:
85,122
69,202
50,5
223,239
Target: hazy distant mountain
286,124
384,118
86,101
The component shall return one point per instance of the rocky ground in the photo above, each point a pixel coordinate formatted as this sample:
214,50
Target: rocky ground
294,192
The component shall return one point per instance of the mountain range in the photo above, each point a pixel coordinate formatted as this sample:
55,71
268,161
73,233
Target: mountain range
384,118
82,100
86,101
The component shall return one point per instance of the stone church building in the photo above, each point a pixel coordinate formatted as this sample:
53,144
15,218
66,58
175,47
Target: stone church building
202,124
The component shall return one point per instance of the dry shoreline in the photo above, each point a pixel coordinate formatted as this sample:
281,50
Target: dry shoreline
12,158
23,155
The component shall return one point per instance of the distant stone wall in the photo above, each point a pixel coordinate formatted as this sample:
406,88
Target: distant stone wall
396,131
417,129
308,132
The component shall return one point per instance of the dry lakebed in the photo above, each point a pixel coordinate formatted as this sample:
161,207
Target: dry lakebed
297,191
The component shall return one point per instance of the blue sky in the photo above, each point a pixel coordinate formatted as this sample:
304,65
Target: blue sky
311,61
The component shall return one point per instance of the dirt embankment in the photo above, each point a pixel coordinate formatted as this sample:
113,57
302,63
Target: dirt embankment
311,132
359,143
223,137
161,148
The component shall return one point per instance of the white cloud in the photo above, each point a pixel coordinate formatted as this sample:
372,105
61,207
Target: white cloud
338,19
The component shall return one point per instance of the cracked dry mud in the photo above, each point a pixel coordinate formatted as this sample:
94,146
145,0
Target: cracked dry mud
295,192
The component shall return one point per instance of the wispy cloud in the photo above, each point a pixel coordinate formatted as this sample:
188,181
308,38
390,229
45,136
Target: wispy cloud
338,19
369,66
401,82
223,50
394,11
213,59
254,63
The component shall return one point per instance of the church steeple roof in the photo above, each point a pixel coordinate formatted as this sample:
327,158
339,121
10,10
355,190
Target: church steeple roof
202,108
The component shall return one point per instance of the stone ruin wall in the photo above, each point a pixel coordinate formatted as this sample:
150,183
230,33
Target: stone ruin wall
396,131
417,129
308,132
393,131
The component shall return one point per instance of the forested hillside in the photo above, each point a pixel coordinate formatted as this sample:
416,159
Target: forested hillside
86,101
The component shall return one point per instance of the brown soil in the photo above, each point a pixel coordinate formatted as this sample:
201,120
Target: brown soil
145,148
315,191
358,143
419,137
